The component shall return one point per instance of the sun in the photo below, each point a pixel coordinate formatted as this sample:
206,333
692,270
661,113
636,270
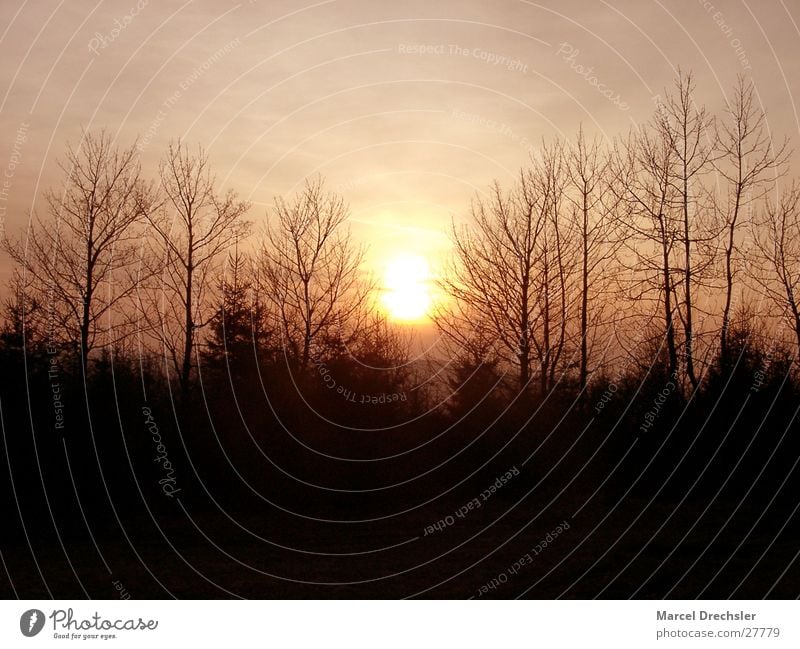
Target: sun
406,292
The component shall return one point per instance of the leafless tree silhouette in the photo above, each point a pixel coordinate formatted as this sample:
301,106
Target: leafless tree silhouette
746,161
311,273
501,279
777,239
642,172
685,128
594,209
79,260
193,227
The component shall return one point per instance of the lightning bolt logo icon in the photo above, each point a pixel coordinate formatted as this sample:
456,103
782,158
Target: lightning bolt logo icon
31,622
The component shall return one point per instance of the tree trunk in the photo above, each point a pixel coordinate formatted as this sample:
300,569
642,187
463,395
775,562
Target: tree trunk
726,312
687,247
188,341
524,339
668,317
545,355
584,369
86,308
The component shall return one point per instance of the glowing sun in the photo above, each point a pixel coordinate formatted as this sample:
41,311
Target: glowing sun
406,294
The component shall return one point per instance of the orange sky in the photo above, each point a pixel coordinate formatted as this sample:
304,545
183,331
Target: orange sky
408,108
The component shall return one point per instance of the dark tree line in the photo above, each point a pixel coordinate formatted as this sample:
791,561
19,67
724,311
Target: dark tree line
621,326
600,255
671,230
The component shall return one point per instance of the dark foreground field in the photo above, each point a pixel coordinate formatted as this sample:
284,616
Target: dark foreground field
261,498
204,557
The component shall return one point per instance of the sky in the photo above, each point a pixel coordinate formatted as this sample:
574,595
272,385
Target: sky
407,108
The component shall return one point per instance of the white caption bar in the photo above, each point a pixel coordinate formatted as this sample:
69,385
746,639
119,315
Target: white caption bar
401,625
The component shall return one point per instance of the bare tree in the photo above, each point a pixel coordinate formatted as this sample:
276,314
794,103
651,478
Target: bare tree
746,161
557,257
78,259
642,177
685,128
495,273
777,239
194,226
594,207
311,273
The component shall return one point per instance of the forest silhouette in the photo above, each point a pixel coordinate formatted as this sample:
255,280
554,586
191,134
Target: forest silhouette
196,406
